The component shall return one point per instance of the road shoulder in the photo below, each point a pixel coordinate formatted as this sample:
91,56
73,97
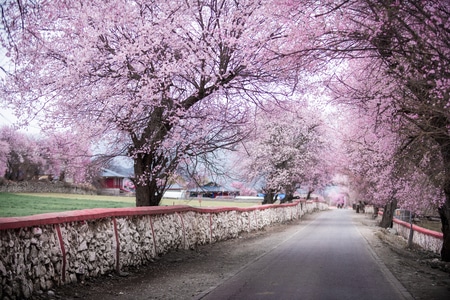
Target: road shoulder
418,271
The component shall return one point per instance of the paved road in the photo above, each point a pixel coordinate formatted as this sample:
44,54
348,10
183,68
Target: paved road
327,259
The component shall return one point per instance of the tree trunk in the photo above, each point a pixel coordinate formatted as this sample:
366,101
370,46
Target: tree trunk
149,190
443,139
444,213
411,233
388,214
444,210
147,196
269,197
288,197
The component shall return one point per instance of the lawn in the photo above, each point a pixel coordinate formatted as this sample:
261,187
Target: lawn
26,204
432,225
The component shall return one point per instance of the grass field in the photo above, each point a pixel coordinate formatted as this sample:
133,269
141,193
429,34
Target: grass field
432,225
15,205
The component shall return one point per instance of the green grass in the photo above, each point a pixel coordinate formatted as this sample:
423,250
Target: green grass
26,204
15,205
431,225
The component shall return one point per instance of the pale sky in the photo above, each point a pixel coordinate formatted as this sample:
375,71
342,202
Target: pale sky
6,117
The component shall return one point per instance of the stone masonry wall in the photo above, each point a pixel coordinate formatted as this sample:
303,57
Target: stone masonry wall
45,187
43,251
425,238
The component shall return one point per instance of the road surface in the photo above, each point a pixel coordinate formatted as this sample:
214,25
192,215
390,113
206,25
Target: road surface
326,259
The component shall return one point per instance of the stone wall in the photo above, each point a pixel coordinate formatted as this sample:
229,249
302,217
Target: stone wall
7,186
425,238
369,209
43,251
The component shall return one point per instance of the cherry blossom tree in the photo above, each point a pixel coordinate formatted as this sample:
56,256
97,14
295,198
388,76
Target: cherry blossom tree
409,40
21,158
417,53
244,190
67,157
386,167
284,150
4,152
368,135
371,165
387,175
146,72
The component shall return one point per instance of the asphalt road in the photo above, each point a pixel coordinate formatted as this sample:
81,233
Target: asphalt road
326,259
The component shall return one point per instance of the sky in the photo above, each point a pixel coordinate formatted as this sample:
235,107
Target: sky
6,117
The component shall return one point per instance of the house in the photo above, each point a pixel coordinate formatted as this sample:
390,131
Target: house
175,191
213,190
114,183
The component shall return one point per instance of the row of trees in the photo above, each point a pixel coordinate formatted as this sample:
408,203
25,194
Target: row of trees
60,157
168,81
396,86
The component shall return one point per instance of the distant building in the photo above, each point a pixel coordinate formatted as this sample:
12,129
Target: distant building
175,191
115,183
213,190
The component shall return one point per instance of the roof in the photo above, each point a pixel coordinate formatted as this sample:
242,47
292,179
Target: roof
175,186
213,187
110,173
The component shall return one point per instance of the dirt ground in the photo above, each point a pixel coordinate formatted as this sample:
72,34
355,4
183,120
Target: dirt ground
421,272
189,274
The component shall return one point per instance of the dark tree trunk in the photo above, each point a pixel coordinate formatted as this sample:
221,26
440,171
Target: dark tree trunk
288,194
287,198
375,212
388,214
444,213
149,190
269,197
411,234
443,139
444,210
147,196
152,165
